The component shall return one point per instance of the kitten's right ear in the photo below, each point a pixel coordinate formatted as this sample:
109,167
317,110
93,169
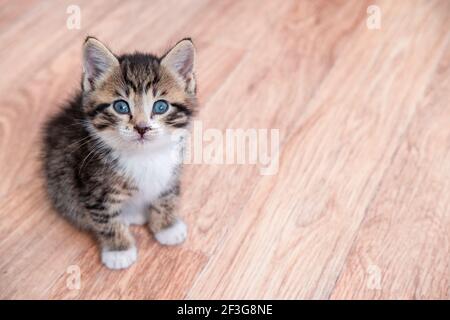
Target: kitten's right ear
98,61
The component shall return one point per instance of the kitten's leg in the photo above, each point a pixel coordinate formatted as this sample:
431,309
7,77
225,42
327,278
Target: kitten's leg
116,241
165,225
134,214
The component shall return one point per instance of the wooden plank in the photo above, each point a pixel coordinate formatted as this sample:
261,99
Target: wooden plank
15,12
31,43
403,246
269,89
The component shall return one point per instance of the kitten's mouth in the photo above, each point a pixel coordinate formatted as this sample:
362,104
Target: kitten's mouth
142,140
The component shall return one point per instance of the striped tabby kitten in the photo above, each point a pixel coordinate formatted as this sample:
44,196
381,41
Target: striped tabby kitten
110,156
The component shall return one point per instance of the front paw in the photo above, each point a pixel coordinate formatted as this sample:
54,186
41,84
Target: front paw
175,234
119,259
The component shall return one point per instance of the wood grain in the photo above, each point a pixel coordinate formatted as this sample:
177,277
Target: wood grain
360,205
403,245
308,213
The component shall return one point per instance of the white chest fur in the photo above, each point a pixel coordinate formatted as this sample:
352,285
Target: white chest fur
153,171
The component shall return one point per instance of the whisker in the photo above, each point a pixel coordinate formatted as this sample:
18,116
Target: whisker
76,142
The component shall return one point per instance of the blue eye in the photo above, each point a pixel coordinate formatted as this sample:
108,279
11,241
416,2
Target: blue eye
160,107
121,107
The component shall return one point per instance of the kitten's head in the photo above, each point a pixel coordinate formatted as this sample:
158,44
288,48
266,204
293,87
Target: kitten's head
137,100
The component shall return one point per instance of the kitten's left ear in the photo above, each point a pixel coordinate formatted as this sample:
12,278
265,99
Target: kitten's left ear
180,60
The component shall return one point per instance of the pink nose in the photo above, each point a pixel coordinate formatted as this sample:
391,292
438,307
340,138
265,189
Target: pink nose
141,129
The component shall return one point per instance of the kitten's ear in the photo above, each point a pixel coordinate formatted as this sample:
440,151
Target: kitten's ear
180,60
98,61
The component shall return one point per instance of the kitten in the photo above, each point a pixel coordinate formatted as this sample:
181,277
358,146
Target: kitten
110,156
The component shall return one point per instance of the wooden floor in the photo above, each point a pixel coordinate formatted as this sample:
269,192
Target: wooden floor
360,206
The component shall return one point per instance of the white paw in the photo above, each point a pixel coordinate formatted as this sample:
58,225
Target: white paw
174,234
119,259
